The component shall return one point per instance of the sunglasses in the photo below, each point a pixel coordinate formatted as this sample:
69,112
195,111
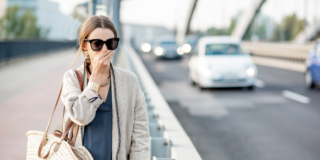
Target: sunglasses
97,44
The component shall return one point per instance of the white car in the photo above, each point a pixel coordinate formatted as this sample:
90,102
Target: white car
221,62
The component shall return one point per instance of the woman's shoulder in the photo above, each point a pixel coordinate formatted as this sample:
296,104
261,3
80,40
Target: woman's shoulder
71,72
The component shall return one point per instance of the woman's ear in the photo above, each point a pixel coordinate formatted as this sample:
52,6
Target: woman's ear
84,46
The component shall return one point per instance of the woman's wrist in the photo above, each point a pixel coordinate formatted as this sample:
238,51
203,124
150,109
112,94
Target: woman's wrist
94,86
96,77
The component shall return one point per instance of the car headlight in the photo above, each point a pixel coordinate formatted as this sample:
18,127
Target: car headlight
180,51
186,48
250,72
146,47
159,51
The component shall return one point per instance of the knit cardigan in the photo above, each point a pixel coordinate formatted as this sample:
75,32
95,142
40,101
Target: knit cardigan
130,125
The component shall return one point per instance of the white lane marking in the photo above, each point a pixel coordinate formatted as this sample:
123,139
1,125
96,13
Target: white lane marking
259,83
296,96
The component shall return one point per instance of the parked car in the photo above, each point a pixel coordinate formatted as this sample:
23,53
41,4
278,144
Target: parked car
312,74
167,48
221,62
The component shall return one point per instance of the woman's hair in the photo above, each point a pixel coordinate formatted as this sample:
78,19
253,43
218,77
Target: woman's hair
87,28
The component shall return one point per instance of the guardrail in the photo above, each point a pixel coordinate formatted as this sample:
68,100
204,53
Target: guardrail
15,49
168,140
286,51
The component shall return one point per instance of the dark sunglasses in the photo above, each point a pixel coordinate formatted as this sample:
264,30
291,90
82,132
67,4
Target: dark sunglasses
97,44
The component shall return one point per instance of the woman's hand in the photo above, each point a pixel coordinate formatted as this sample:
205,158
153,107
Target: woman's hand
100,65
101,62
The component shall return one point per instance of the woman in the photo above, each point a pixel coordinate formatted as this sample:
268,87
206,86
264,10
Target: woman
111,111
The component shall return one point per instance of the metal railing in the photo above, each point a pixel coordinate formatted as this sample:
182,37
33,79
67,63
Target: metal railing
168,140
15,49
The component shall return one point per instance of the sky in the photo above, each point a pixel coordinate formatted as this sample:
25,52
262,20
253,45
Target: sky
66,6
208,13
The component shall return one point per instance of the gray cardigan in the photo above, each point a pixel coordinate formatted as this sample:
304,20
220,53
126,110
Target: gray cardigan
130,131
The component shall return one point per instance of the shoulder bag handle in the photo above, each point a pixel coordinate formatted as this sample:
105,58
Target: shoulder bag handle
45,139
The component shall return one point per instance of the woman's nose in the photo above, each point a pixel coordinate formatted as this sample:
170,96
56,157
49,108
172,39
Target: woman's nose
104,47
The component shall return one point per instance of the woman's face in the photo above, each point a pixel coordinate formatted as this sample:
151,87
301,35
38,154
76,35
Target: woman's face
98,33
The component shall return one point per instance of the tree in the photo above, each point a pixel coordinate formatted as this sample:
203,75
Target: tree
216,31
80,13
288,29
222,31
232,26
14,25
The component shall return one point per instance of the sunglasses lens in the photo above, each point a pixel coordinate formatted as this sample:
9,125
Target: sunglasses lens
96,45
112,44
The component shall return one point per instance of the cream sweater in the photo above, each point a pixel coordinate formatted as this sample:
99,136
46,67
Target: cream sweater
130,125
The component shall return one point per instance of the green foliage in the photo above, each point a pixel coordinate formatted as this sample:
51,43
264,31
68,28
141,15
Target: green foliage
257,29
216,31
232,26
288,29
76,15
213,31
17,25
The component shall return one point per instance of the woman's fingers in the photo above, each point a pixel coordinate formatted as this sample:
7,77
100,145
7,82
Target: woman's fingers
104,54
107,58
98,56
101,59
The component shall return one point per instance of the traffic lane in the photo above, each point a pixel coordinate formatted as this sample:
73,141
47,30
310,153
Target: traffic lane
260,119
166,69
280,80
241,124
274,79
250,134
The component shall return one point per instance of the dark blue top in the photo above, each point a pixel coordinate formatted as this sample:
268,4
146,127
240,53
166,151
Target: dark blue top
98,133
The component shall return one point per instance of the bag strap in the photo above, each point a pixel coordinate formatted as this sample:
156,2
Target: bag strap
76,127
45,139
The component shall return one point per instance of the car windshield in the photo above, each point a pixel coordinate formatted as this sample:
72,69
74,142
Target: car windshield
168,43
223,49
192,42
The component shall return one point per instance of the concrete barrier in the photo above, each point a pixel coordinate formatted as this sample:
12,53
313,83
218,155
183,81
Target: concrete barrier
168,139
288,51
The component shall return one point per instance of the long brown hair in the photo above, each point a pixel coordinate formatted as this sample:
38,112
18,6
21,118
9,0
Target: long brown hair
87,28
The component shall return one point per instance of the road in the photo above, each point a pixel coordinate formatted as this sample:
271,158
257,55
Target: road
279,120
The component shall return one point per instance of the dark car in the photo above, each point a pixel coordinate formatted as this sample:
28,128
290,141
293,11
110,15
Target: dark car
167,48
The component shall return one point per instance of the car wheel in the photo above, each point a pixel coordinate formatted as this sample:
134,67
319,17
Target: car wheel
193,83
308,79
200,87
251,87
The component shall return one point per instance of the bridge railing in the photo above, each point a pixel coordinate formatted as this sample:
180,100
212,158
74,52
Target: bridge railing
288,51
21,48
168,140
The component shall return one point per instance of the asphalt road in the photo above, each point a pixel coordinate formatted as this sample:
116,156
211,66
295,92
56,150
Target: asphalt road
280,120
